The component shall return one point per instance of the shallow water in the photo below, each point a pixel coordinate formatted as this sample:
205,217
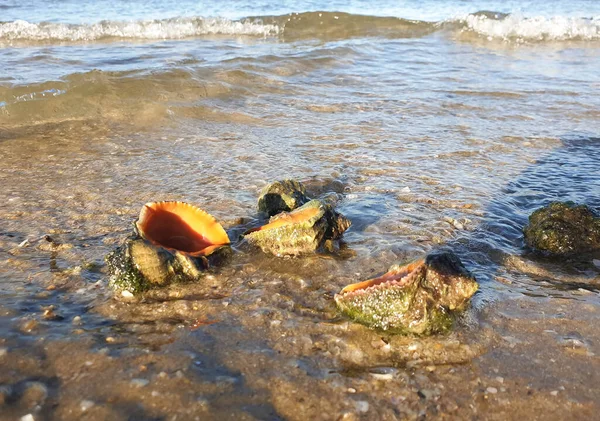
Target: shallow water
435,125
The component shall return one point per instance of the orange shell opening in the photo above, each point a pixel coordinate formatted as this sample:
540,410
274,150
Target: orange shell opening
181,226
288,219
395,275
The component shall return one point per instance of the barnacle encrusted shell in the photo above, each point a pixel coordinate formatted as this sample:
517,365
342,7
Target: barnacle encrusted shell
563,228
300,231
282,196
173,242
416,298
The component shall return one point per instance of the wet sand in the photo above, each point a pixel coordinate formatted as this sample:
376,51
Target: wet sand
261,338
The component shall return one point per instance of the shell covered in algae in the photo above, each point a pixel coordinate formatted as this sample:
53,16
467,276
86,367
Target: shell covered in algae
173,242
301,231
563,228
416,298
282,196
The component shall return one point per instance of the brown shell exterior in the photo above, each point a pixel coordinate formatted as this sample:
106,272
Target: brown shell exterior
181,226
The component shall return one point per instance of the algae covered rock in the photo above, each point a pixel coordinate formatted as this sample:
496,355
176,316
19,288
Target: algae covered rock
282,196
173,242
416,298
563,228
301,231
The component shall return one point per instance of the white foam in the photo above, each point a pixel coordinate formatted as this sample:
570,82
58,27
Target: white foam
175,28
520,28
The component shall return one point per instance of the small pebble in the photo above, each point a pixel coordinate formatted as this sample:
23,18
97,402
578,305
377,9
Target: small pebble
29,325
455,223
382,376
351,390
110,339
428,393
126,294
554,393
50,314
86,404
491,390
596,263
155,393
77,320
35,393
139,382
27,417
3,351
362,406
304,284
500,379
348,416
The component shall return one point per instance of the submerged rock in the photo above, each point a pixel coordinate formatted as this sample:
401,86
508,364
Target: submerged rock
301,231
173,242
282,196
416,298
563,228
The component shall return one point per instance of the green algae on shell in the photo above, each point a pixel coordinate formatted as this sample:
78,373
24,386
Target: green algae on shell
416,298
301,231
563,228
173,242
282,196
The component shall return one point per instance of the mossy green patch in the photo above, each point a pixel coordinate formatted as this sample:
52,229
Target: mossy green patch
563,228
420,301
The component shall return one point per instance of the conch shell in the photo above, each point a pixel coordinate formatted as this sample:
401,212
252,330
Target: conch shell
416,298
173,242
301,231
182,227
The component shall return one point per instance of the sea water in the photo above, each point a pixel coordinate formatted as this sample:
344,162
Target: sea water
433,123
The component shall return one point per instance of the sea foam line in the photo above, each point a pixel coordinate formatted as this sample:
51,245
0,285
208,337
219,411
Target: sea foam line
520,28
174,28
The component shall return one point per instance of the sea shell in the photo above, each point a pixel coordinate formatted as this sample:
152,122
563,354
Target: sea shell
173,242
301,231
416,298
282,196
182,227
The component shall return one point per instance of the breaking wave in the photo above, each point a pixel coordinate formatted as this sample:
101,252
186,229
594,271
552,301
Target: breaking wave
175,28
307,25
520,28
